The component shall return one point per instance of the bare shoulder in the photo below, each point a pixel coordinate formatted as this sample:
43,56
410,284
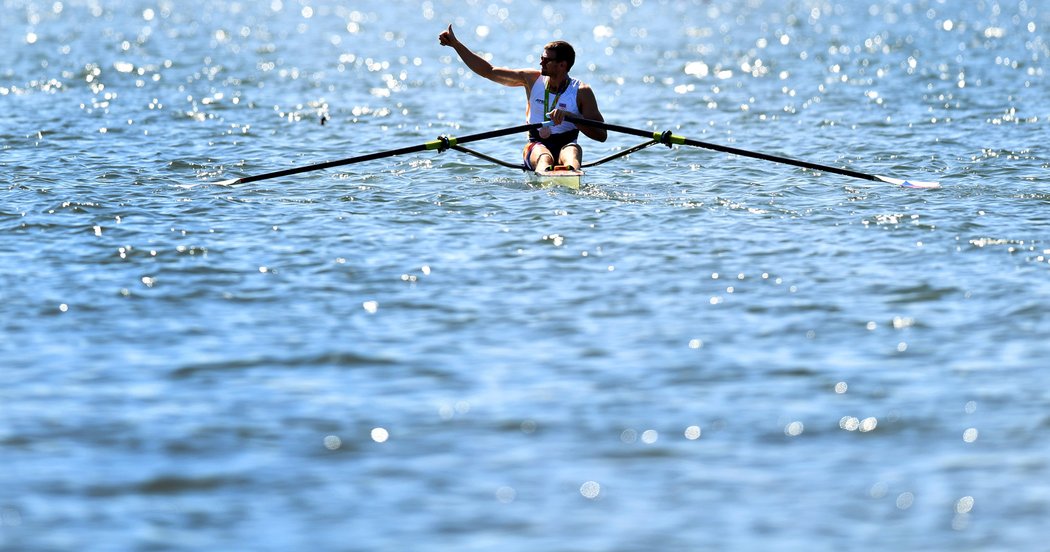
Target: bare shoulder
528,77
586,100
586,89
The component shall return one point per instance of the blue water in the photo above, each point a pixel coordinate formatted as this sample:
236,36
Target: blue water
696,351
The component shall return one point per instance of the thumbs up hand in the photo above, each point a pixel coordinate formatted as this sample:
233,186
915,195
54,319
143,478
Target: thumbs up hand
448,38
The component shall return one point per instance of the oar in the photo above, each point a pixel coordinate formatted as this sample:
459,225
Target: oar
668,138
442,143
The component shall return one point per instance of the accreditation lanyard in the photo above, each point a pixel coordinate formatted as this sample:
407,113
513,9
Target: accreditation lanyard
547,97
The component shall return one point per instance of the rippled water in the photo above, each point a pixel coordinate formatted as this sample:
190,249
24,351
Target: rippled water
696,351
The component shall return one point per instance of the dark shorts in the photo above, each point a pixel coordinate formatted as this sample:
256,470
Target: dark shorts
554,143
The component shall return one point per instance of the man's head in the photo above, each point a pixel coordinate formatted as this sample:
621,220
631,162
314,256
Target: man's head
560,51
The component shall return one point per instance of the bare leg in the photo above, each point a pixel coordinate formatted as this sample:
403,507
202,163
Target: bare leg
541,158
571,155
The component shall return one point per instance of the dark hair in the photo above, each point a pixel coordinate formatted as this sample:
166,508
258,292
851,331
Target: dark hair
562,51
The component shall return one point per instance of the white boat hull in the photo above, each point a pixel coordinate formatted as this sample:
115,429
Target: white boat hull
558,176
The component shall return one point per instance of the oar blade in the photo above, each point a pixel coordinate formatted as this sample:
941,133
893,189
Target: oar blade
925,185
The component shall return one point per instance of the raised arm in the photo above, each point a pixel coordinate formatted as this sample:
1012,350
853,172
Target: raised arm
477,64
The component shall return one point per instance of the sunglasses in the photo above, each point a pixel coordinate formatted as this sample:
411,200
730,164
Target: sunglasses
545,60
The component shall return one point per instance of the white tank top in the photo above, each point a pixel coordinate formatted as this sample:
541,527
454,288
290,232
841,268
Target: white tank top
542,102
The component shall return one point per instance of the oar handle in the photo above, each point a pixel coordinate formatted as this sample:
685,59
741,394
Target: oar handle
669,139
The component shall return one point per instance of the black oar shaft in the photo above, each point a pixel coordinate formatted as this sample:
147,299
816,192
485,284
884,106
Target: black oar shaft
330,164
668,138
439,144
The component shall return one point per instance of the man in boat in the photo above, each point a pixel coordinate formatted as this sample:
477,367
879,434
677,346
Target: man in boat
551,95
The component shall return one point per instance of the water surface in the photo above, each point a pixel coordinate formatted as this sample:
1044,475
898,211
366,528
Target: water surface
695,352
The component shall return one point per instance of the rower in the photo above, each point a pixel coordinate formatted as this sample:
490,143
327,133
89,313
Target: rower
552,94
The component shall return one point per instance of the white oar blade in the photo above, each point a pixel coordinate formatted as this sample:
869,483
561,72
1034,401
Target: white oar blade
909,183
229,182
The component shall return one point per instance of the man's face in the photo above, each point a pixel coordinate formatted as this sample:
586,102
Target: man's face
549,63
